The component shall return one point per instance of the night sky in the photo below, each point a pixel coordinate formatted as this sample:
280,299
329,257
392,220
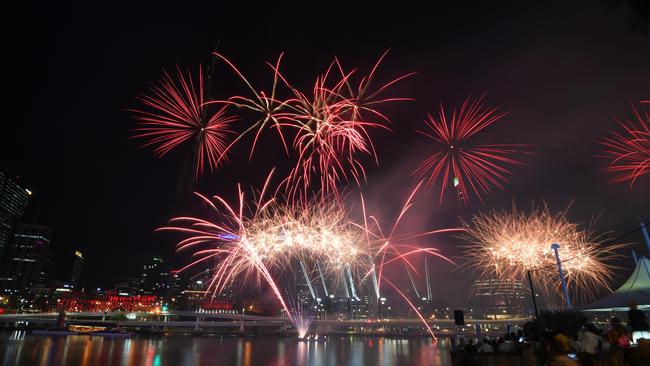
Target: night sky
563,69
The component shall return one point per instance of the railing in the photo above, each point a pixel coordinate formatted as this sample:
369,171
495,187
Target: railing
201,320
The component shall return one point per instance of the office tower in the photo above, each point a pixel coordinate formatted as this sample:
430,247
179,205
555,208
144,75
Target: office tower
155,278
500,299
27,259
76,268
13,201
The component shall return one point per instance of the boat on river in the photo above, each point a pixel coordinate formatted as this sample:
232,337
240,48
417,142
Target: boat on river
112,333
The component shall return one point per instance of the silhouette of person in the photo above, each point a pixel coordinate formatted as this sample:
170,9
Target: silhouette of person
637,322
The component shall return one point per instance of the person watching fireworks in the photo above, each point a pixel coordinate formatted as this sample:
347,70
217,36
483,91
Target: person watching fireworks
636,320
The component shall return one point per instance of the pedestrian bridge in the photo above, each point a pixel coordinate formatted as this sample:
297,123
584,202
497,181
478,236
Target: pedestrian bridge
202,321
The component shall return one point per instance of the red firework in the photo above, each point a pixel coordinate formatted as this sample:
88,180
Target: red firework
333,124
267,105
628,150
456,159
330,123
176,112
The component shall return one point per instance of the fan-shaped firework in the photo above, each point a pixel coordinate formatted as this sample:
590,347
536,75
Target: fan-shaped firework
628,149
269,238
457,159
505,245
281,234
176,113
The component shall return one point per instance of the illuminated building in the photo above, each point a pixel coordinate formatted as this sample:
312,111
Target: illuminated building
108,301
27,259
500,299
155,278
13,201
76,268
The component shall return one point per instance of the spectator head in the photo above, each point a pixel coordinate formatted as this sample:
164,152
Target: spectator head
590,327
615,322
632,305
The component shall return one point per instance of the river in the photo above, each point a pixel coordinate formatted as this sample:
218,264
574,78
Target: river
23,348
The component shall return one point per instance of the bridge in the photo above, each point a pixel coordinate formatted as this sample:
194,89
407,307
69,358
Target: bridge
206,321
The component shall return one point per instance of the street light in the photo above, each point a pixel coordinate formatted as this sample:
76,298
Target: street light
555,248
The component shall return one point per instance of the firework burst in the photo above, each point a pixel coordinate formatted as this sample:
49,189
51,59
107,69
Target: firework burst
270,109
332,125
388,247
628,149
176,113
282,234
506,245
268,238
456,159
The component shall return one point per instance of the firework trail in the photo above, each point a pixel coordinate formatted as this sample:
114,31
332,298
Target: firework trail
455,158
330,124
176,112
628,149
302,313
391,247
507,244
226,240
267,238
271,109
333,124
387,247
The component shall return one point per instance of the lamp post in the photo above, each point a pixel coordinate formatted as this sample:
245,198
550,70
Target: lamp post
532,292
555,248
241,325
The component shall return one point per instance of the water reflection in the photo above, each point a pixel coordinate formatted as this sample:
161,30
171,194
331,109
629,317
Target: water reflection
20,348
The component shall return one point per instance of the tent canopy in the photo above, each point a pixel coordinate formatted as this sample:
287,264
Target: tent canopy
636,288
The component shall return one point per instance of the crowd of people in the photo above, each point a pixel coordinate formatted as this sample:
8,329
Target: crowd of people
619,344
616,344
510,342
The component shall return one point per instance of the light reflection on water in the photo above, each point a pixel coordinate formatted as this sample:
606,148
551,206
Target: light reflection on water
22,348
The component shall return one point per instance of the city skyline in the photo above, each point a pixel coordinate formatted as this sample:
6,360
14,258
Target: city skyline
107,203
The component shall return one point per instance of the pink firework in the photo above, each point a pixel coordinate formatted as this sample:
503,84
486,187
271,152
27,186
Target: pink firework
333,124
456,159
628,149
264,238
270,109
176,113
227,240
330,124
387,247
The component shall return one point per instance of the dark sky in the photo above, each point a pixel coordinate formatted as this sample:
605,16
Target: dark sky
564,70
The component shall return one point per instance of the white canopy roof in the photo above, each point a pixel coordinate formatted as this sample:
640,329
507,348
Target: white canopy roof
636,288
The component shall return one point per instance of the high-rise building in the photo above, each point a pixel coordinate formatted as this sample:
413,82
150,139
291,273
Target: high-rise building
13,201
76,268
155,278
27,259
500,299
